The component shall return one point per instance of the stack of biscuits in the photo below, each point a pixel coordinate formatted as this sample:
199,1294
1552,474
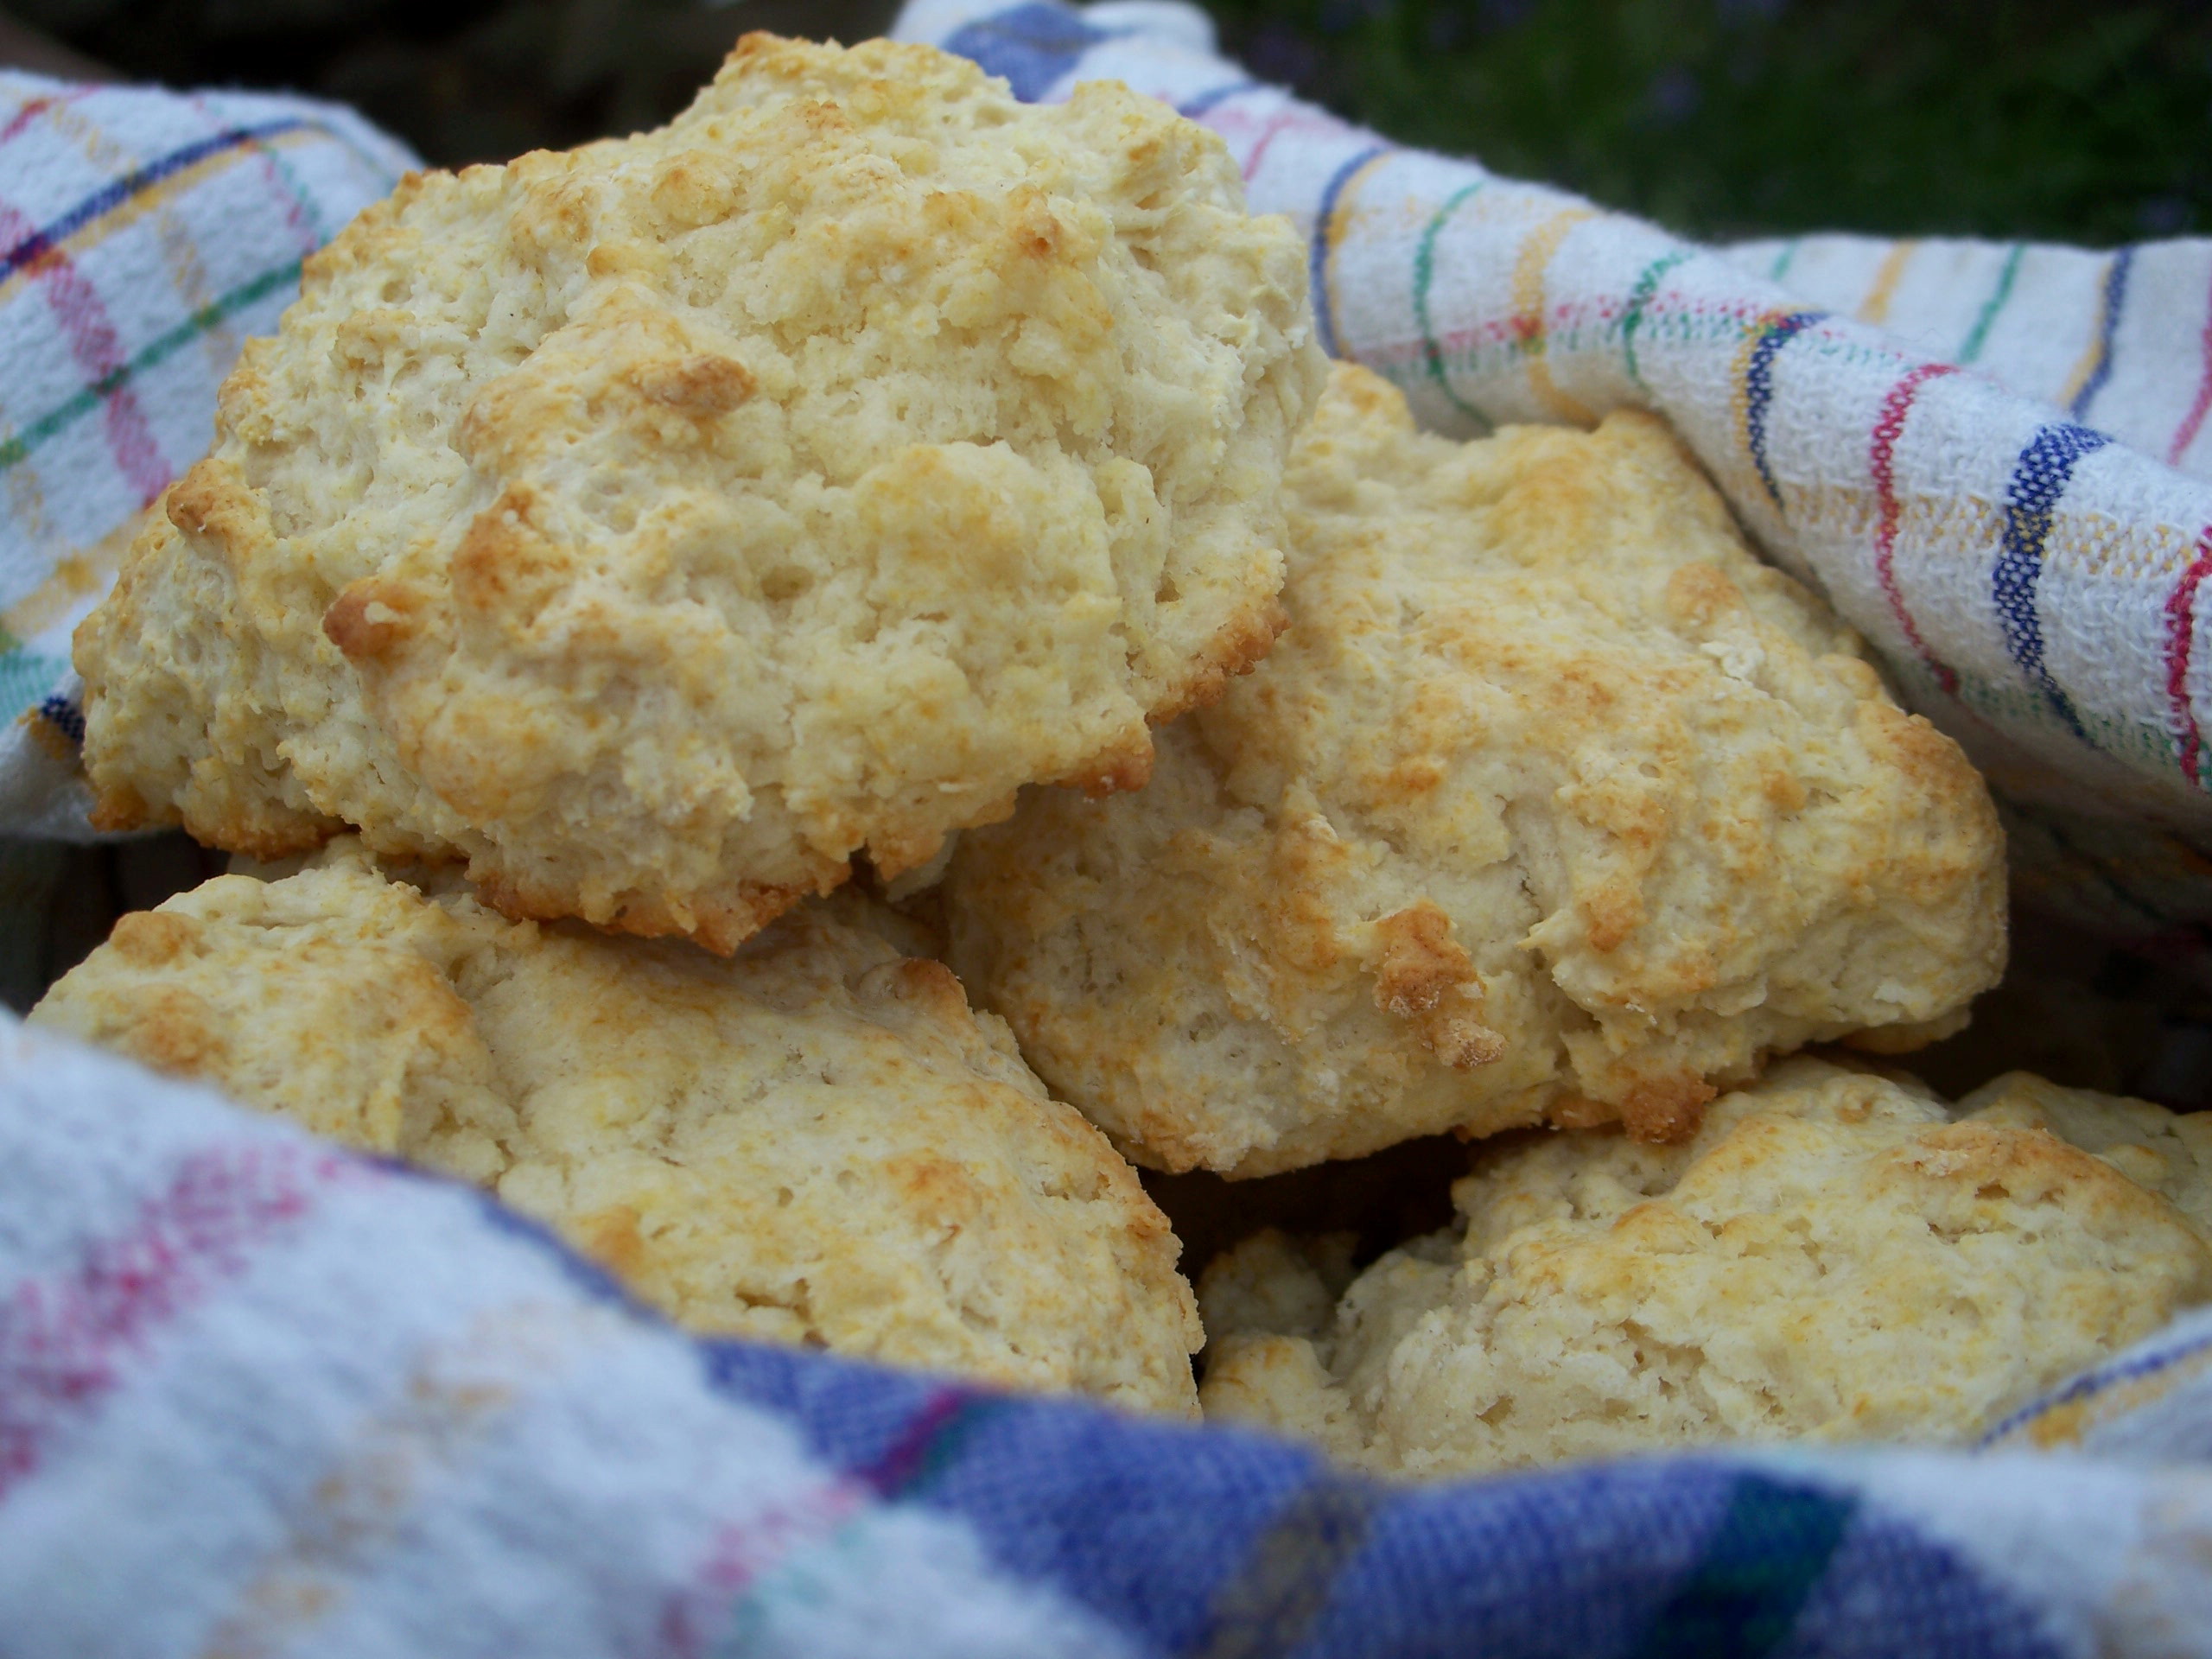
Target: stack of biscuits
796,693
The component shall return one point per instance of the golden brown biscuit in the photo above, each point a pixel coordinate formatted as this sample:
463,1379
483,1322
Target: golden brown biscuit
1553,799
2167,1153
814,1142
658,525
1831,1258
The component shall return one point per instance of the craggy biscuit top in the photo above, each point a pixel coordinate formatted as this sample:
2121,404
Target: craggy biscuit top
1552,799
2163,1152
1832,1257
815,1141
660,523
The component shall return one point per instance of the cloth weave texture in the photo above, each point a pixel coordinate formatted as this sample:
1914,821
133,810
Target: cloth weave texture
144,236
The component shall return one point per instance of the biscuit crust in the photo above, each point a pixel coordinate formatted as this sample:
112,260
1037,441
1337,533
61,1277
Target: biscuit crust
657,526
2162,1151
1553,801
815,1141
1833,1257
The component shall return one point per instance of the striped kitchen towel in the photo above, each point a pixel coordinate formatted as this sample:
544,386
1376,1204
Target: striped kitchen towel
144,235
259,1395
1994,460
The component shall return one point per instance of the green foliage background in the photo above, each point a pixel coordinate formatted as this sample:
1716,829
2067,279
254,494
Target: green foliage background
2053,118
2035,118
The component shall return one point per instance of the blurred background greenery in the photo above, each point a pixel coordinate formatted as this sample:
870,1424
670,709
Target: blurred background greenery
2013,118
2048,118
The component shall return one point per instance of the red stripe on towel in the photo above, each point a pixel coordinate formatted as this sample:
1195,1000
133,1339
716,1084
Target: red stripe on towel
1881,462
2181,636
92,342
66,1338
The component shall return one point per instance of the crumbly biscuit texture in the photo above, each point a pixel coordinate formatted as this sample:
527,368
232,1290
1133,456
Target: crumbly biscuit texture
1552,800
2167,1153
1833,1257
815,1141
659,525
